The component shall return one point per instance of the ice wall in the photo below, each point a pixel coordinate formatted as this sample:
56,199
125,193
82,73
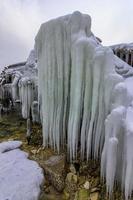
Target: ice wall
83,101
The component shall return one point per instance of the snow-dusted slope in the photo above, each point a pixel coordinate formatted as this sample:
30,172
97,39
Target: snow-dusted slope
20,178
84,97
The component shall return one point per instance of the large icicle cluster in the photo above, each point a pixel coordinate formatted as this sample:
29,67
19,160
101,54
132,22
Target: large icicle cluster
84,98
19,83
28,85
116,160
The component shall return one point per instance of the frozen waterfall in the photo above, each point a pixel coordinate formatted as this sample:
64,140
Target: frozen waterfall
84,99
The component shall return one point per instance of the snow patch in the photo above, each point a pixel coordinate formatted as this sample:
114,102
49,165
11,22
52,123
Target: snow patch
20,178
10,145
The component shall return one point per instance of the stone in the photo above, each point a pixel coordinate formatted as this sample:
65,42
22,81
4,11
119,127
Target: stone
33,151
75,178
95,189
66,195
54,169
83,168
72,177
82,194
45,196
94,196
71,182
87,185
47,190
39,150
72,169
81,180
69,177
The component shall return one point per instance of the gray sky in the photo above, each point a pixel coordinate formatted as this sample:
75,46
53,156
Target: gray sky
21,19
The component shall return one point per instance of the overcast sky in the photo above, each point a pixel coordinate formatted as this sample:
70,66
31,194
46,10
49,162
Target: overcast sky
112,21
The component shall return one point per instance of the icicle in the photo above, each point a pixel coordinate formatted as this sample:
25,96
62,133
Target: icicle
1,108
132,58
113,128
87,99
129,154
34,110
127,57
15,86
111,80
120,96
26,95
121,54
29,130
111,163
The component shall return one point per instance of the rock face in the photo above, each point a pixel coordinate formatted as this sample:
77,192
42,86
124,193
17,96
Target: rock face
94,196
84,98
71,182
54,169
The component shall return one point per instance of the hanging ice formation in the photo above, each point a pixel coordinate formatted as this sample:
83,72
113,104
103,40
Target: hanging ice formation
28,85
84,97
19,85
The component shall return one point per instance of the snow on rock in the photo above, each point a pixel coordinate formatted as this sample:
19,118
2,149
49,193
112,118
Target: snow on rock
10,145
84,97
20,178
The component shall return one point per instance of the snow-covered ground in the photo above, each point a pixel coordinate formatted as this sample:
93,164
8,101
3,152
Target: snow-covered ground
20,178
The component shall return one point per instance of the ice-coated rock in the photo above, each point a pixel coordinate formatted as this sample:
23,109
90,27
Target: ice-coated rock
84,96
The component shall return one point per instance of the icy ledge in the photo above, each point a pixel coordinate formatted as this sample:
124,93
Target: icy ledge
20,178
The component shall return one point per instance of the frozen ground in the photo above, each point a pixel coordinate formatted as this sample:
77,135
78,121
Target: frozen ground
20,178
